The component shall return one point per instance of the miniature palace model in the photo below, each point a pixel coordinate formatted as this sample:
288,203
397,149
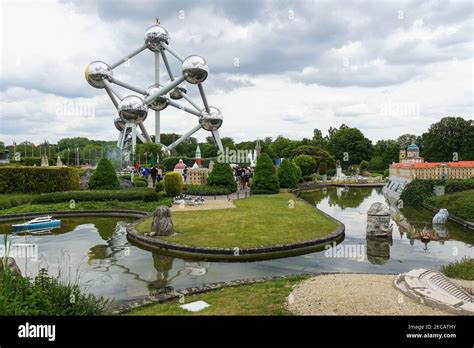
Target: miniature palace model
133,109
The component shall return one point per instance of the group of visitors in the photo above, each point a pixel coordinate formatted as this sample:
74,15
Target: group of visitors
153,172
243,176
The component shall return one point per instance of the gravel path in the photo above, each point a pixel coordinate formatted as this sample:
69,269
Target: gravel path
217,204
354,294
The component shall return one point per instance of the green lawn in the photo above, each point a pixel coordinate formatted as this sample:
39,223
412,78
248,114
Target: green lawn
258,220
266,298
460,204
91,205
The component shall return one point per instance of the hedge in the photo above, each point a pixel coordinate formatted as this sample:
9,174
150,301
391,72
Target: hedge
139,183
38,179
173,184
31,161
222,176
98,195
205,190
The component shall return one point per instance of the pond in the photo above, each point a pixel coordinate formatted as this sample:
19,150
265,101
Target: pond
97,253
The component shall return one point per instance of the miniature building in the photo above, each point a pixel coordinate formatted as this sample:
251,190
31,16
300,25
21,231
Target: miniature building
196,174
413,166
179,167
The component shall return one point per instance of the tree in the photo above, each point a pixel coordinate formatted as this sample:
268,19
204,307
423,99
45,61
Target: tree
363,166
104,177
350,146
287,176
306,163
405,140
282,146
450,139
317,153
385,153
222,175
265,179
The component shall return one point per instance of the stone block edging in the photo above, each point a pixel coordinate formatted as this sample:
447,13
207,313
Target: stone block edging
229,254
77,213
456,219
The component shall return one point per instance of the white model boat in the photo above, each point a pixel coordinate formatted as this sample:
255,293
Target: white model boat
38,223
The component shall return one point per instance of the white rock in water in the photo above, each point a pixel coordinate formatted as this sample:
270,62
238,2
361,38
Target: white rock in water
378,208
441,217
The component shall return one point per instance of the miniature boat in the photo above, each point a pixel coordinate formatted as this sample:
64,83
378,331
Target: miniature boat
38,223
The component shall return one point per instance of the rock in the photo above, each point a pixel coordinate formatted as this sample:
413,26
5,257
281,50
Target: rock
10,264
84,180
152,234
124,183
378,221
441,217
162,223
378,250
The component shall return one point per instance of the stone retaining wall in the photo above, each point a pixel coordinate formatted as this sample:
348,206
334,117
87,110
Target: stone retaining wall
237,254
76,213
456,219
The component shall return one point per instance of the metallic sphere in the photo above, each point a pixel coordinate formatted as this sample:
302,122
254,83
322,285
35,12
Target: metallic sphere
96,72
212,120
177,92
161,102
154,36
119,124
195,69
132,109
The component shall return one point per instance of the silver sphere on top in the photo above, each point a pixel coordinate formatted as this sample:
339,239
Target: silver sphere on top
211,120
132,109
96,72
154,36
159,103
119,124
178,91
195,69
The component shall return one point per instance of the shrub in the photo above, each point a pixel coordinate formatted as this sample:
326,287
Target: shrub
151,196
416,192
462,269
173,184
126,177
286,175
205,190
307,178
159,187
323,168
297,172
456,185
13,201
46,295
386,173
96,195
104,177
38,179
222,176
306,163
265,179
139,183
363,166
32,161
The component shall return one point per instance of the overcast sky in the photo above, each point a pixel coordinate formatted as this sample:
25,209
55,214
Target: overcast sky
276,67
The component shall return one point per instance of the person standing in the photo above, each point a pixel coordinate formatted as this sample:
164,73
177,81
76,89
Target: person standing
153,173
185,173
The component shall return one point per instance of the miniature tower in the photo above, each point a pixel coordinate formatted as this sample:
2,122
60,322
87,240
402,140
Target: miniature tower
258,149
198,156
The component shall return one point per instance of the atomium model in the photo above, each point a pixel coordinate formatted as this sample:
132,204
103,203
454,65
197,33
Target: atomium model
133,109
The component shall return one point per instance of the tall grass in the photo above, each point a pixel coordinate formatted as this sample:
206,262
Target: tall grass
45,295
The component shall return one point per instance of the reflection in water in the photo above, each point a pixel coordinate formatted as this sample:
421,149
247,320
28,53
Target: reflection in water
378,250
110,266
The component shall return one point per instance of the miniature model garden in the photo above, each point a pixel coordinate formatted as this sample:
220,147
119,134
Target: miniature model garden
303,198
